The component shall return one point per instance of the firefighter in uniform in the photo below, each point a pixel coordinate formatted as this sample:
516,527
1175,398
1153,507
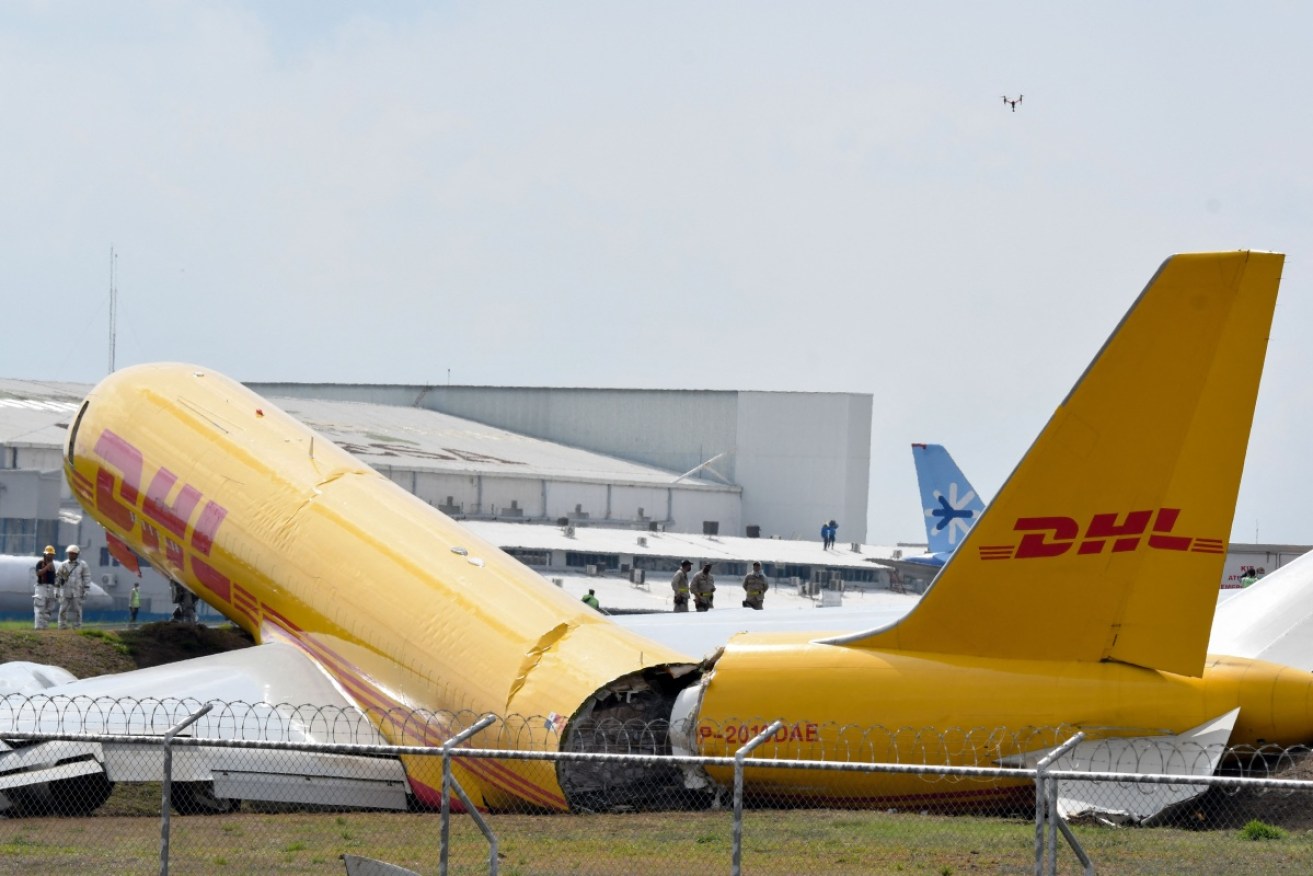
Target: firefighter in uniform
754,588
704,588
185,601
74,578
43,597
679,584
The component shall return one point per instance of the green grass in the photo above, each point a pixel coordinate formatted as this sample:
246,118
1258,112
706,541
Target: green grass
1258,830
20,625
775,842
109,637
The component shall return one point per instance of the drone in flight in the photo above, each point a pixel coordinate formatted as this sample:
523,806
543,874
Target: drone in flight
1013,103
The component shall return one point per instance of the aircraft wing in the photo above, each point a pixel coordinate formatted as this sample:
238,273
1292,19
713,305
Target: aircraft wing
702,634
16,596
22,677
260,677
1196,752
1271,620
268,692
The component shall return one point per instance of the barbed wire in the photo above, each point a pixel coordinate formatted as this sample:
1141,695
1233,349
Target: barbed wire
1121,749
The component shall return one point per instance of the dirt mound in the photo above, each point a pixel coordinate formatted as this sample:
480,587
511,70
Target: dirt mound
87,653
1230,808
159,643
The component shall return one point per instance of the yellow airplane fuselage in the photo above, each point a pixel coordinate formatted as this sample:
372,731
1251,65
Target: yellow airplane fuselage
295,540
853,703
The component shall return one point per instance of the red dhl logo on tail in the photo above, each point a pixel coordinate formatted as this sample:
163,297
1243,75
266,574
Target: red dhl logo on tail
1116,532
162,525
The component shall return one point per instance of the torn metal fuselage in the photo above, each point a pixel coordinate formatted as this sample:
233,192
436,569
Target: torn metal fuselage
636,714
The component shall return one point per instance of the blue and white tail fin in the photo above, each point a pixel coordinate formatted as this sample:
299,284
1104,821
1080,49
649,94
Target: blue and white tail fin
950,504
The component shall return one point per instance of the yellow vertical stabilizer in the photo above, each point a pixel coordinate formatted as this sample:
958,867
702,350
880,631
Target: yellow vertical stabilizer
1107,541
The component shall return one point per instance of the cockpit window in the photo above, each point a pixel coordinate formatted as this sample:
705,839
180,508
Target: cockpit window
73,433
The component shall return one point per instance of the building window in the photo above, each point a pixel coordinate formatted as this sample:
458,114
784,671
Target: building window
789,570
656,564
576,560
529,557
17,536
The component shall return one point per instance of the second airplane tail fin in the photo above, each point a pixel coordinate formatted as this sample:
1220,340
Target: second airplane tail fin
950,504
1107,542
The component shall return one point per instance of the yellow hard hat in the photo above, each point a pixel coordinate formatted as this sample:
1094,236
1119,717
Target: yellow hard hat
50,549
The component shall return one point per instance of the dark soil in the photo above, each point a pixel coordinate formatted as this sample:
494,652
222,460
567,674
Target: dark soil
90,652
1228,808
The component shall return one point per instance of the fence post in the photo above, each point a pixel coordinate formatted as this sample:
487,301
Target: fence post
736,858
1044,810
446,790
167,794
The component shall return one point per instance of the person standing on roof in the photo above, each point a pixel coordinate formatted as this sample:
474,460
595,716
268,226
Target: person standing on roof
754,588
43,597
834,533
679,584
74,579
825,536
704,588
590,599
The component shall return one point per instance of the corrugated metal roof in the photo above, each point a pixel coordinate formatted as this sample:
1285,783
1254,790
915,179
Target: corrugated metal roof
36,413
424,440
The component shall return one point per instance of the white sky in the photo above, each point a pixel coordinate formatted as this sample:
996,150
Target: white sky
690,195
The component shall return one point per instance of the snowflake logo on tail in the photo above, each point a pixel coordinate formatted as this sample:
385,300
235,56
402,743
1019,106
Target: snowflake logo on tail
952,513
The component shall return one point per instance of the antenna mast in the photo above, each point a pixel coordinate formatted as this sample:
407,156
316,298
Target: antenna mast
113,304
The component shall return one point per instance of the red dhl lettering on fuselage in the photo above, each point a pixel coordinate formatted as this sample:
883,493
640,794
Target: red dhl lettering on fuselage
164,529
741,734
1114,531
167,532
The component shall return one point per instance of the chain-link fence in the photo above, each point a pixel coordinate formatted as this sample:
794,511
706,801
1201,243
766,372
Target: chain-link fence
282,789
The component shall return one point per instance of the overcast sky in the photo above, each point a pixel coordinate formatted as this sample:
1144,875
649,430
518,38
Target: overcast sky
759,196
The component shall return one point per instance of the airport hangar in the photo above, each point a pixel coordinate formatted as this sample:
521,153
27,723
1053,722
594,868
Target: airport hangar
703,463
715,466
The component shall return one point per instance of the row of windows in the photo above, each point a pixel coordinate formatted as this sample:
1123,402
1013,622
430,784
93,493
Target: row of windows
738,568
667,565
578,561
23,536
531,557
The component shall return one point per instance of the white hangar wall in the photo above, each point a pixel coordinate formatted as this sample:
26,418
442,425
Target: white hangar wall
33,457
799,458
684,506
805,458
